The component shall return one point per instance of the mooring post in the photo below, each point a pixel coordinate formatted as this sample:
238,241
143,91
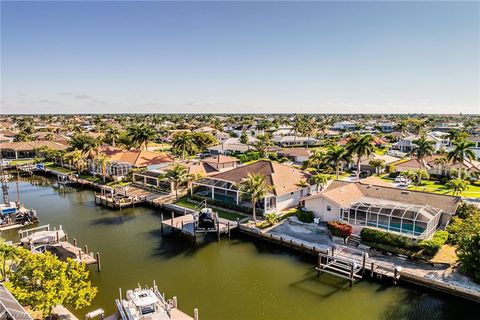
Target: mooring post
161,223
172,222
74,242
372,269
99,265
174,302
182,225
364,261
218,230
57,237
228,227
351,274
66,237
195,314
333,250
86,249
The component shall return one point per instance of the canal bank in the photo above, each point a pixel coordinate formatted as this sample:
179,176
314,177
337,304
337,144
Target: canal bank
233,279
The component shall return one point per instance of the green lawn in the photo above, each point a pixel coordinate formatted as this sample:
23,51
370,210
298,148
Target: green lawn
59,169
473,190
183,202
20,162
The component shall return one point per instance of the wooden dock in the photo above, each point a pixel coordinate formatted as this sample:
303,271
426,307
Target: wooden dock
130,196
186,224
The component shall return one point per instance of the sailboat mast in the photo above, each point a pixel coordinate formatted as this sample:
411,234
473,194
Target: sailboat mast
3,179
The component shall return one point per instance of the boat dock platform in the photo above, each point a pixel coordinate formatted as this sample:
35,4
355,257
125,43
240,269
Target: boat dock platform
129,196
42,239
186,224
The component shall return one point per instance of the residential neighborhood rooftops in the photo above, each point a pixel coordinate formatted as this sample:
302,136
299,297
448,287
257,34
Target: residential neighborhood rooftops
138,158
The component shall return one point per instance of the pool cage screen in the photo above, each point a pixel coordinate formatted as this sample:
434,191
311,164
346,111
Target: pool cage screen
414,221
119,169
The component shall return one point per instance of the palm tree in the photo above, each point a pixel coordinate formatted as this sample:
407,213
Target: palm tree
336,154
422,149
440,163
103,161
141,135
262,144
462,151
112,134
317,159
377,164
73,157
320,179
254,188
177,175
184,144
457,186
419,174
361,146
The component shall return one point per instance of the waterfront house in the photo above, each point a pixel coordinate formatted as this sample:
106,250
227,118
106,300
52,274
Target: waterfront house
195,169
430,164
476,149
344,125
27,150
410,213
288,186
120,161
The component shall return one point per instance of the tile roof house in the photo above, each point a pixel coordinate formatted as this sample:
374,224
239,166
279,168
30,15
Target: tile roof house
122,161
27,150
229,146
288,185
428,163
414,214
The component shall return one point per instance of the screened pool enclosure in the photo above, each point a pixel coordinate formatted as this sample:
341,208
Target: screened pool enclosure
416,221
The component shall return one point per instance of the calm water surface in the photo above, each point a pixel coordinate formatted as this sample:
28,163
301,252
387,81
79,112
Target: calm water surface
236,279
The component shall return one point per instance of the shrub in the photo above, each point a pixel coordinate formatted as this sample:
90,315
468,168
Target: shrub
390,168
271,218
465,210
305,216
340,229
431,247
393,174
377,236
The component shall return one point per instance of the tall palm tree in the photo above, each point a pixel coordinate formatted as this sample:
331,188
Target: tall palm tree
377,164
320,179
184,144
177,175
337,154
254,188
73,157
141,135
461,151
262,144
103,161
112,134
361,146
440,163
422,149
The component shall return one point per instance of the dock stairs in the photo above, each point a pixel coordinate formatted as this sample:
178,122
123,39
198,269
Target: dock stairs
353,240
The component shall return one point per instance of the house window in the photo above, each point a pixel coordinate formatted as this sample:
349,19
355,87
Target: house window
329,208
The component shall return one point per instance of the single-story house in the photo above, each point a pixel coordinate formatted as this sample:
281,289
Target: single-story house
297,155
120,161
414,214
27,150
229,146
294,141
429,164
365,162
288,186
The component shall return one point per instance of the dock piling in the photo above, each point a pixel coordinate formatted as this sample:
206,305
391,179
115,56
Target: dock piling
74,242
195,314
99,266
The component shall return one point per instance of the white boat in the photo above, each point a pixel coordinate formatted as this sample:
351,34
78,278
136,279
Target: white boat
148,304
14,215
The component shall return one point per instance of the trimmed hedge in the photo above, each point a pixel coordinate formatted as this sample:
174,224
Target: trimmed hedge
339,229
377,236
431,247
305,216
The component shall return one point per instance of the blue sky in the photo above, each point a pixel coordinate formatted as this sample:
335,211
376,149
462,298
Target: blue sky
300,57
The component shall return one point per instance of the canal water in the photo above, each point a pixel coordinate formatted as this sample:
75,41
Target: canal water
236,279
